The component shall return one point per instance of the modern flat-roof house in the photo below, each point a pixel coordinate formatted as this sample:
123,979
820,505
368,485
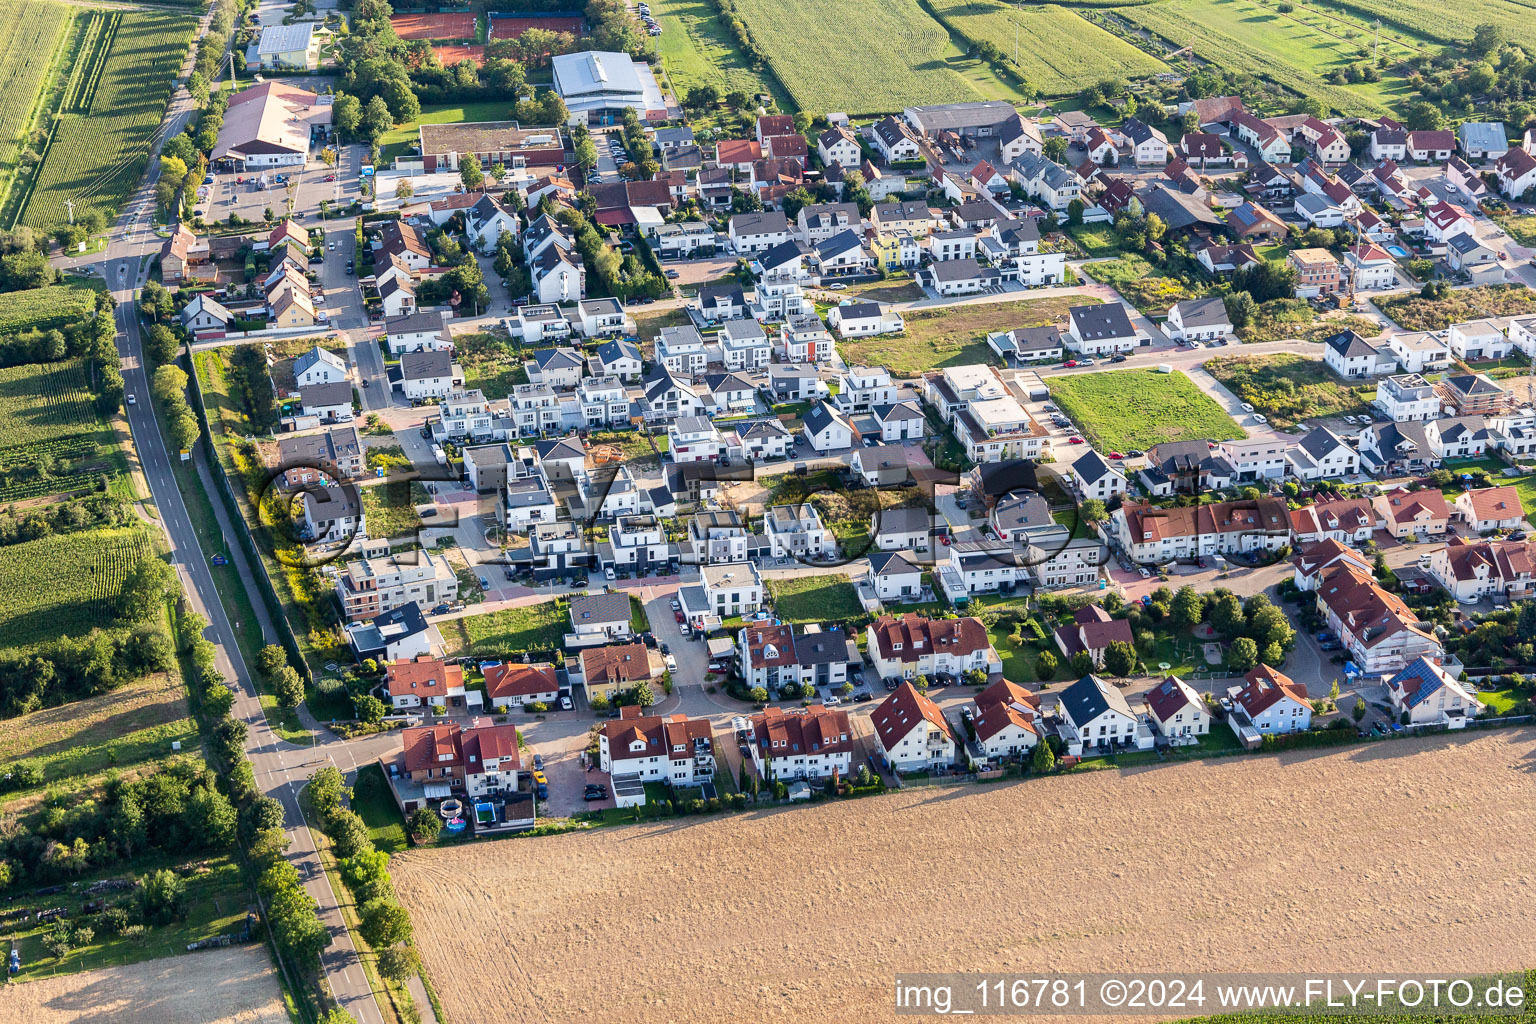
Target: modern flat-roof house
288,46
491,142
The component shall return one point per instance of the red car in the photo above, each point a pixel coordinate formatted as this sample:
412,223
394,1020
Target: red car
1074,440
1069,364
678,616
944,539
1116,455
330,177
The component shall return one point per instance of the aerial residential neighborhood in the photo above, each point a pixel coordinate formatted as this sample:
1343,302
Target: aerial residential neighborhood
487,489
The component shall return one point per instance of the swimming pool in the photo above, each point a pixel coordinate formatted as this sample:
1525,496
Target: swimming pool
1398,251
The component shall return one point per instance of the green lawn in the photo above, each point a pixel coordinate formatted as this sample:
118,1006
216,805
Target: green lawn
1413,313
826,599
697,49
372,800
1097,239
1125,409
540,627
399,138
639,621
954,335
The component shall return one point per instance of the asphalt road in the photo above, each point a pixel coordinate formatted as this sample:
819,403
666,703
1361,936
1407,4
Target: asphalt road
280,767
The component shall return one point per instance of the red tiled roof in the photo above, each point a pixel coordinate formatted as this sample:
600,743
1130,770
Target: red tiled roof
1266,688
626,663
425,677
1495,503
659,734
483,742
919,636
424,744
510,680
813,730
899,714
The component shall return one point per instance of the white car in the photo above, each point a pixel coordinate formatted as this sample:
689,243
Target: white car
132,400
1259,419
608,573
565,703
1247,407
671,663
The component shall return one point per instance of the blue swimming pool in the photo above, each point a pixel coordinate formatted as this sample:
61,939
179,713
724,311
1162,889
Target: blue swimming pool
1398,251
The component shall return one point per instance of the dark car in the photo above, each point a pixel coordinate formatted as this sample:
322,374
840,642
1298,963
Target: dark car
665,649
1117,358
538,762
542,791
890,684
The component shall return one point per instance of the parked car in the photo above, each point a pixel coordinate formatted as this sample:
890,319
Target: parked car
1118,357
565,704
1070,363
595,794
1075,440
538,761
1247,407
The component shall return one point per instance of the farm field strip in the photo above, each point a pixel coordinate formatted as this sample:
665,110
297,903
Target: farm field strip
86,75
45,401
29,34
39,309
65,585
94,159
697,50
1450,24
1243,36
1059,52
887,56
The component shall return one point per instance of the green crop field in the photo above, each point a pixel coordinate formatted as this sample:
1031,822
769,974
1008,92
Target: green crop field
1059,52
95,157
29,34
696,49
1121,410
65,585
1244,35
1440,23
865,58
38,309
44,402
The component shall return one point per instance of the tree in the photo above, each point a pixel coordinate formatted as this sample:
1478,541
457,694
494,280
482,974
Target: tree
289,687
1046,665
1075,213
1421,115
1055,148
1242,655
1119,658
210,817
470,172
759,694
1044,759
403,189
349,834
1226,614
160,343
1359,709
384,923
1188,607
399,963
1093,511
425,826
270,659
145,589
295,928
336,1015
162,898
644,695
1082,664
1486,39
346,114
1241,309
920,684
327,789
369,708
366,874
376,119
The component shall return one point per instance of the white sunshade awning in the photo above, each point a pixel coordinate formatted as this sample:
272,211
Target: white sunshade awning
437,790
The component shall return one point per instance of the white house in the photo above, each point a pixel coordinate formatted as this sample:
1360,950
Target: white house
694,439
744,346
911,733
1429,695
414,332
1478,341
1370,267
513,684
422,682
798,743
1102,329
641,748
862,319
912,646
319,366
1486,509
1096,719
429,374
1406,397
796,531
681,350
558,368
1198,320
827,429
1095,477
758,232
1272,703
1007,721
601,318
894,578
1178,711
1349,355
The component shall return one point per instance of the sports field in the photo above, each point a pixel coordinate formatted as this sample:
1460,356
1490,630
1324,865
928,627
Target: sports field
1121,410
94,157
510,27
1057,51
434,26
451,53
865,58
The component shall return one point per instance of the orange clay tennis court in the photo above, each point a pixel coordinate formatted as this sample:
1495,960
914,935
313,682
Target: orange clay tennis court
434,26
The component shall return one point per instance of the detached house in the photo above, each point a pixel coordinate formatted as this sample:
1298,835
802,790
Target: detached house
513,685
912,645
1006,720
640,748
1103,329
1092,629
1096,719
1198,320
1473,570
424,681
1414,514
1178,711
1491,508
1272,703
1429,695
911,733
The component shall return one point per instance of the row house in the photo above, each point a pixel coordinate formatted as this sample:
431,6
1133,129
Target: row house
639,748
775,657
1380,632
814,742
1151,535
1348,521
604,402
913,645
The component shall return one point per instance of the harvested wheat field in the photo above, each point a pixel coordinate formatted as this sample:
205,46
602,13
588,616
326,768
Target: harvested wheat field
224,986
1403,855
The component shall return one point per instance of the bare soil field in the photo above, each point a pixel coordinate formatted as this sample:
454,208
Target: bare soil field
1399,855
225,986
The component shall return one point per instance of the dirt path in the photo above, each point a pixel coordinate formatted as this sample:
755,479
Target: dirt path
1399,855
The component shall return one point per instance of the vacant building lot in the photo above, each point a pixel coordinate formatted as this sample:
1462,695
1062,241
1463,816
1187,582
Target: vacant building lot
955,335
1120,410
1267,863
226,986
